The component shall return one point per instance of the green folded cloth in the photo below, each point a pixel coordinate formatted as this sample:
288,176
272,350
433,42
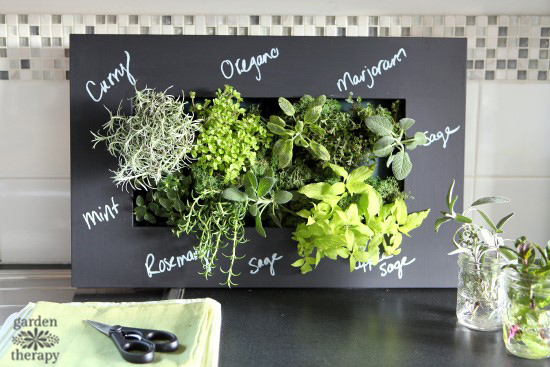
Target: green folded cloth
72,342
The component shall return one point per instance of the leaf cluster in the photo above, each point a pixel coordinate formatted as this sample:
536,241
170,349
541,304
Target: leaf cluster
215,221
355,231
469,238
297,130
260,196
525,260
525,316
155,141
231,135
391,141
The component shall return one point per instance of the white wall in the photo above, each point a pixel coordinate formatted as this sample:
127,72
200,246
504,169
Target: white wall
34,172
507,153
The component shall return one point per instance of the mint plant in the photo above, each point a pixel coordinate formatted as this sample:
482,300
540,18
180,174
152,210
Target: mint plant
392,142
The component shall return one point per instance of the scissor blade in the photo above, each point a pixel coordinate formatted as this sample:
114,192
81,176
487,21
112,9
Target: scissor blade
104,328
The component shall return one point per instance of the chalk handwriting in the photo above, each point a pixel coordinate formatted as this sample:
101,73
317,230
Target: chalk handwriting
163,265
368,73
120,71
386,267
441,135
229,67
257,264
102,215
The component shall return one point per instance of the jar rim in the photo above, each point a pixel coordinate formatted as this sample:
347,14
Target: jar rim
489,260
517,277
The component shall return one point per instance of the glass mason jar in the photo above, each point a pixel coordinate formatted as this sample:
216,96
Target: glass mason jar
526,314
477,304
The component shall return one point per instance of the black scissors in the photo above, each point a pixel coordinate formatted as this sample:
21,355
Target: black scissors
138,345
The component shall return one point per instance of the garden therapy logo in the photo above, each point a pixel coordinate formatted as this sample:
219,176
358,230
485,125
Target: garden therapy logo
33,344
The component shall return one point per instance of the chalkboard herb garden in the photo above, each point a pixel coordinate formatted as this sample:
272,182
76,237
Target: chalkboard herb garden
214,167
479,262
526,300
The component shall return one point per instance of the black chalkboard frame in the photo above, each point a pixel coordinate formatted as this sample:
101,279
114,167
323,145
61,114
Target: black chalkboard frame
428,73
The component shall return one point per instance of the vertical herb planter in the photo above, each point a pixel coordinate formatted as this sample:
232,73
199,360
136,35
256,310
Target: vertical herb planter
115,253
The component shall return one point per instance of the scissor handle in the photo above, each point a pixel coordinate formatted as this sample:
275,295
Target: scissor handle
164,341
131,349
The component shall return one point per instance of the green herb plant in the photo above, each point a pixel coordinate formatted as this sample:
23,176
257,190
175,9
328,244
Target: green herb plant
526,299
213,220
354,231
155,141
479,272
260,196
347,138
204,169
392,142
231,137
299,130
471,239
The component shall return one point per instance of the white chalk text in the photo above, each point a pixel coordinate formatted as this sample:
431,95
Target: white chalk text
103,214
368,74
96,92
242,66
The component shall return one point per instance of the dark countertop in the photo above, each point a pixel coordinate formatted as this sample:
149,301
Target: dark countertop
305,327
351,327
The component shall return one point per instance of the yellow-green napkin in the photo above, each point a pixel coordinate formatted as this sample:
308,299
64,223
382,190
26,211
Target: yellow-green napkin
196,323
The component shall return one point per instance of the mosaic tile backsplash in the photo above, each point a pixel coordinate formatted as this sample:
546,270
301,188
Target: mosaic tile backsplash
36,47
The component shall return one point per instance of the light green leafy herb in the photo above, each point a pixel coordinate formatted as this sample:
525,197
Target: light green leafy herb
356,231
231,136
